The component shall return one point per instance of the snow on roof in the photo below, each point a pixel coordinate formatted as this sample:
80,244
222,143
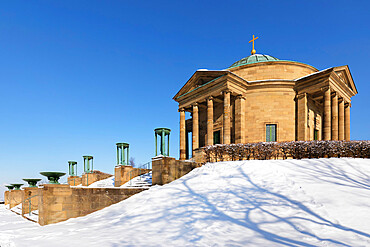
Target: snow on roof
313,74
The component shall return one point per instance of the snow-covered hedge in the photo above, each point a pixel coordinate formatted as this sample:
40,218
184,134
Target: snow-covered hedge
294,149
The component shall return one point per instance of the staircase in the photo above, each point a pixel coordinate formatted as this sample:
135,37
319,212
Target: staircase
142,181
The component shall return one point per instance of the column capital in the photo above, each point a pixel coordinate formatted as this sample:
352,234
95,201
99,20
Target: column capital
347,104
226,91
209,98
325,88
240,96
333,93
340,100
301,95
195,105
181,109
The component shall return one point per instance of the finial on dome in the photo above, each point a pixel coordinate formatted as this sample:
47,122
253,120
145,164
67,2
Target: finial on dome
253,50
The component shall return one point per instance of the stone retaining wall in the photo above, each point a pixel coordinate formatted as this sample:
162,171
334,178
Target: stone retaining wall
15,197
167,169
74,180
6,197
123,174
61,202
89,178
30,193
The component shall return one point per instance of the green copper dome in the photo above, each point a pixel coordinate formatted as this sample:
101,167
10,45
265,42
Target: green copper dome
255,58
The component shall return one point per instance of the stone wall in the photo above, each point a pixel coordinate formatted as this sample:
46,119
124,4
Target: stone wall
74,180
273,70
15,197
6,197
89,178
167,169
123,174
270,106
58,202
30,193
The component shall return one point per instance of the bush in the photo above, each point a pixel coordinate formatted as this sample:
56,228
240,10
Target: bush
284,150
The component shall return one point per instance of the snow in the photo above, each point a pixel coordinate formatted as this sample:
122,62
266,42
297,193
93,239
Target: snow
105,183
34,215
142,181
17,209
315,202
2,191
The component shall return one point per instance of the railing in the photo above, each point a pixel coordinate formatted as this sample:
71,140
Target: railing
146,166
29,204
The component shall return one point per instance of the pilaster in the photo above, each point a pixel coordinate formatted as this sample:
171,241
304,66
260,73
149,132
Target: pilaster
226,118
341,119
302,133
182,134
327,114
240,119
334,117
347,121
210,121
195,127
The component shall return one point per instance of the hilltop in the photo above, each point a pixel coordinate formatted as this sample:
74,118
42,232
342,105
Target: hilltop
316,202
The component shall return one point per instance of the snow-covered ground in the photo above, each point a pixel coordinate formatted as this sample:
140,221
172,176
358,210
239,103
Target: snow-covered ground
142,181
105,183
324,202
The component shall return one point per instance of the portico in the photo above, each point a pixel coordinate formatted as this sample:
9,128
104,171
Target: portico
261,98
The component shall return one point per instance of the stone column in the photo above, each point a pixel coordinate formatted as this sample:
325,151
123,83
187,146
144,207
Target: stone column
182,134
240,119
327,114
210,121
226,124
347,121
302,129
341,119
334,117
195,128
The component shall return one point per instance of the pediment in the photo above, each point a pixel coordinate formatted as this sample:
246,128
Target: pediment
199,78
345,76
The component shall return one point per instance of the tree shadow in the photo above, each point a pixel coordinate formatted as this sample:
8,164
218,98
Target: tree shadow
325,171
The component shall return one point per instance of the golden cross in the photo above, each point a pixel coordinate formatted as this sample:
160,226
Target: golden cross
253,50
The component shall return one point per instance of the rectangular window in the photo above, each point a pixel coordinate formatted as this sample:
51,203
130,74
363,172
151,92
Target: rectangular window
271,132
217,137
315,135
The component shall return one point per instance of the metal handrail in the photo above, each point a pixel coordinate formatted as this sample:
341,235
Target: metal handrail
29,203
147,166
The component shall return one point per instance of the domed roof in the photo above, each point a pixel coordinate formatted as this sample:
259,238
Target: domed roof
255,58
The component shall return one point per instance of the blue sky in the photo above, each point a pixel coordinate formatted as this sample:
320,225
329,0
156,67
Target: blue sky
78,76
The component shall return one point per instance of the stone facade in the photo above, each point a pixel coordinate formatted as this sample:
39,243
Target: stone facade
168,169
123,174
74,180
265,101
15,197
89,178
6,197
31,200
59,202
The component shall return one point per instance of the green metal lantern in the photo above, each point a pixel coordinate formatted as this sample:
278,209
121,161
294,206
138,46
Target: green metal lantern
162,132
123,154
88,163
72,166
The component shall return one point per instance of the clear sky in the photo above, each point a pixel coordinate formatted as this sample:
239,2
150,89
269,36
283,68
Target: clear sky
78,76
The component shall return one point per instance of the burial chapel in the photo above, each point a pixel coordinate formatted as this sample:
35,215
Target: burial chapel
262,98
